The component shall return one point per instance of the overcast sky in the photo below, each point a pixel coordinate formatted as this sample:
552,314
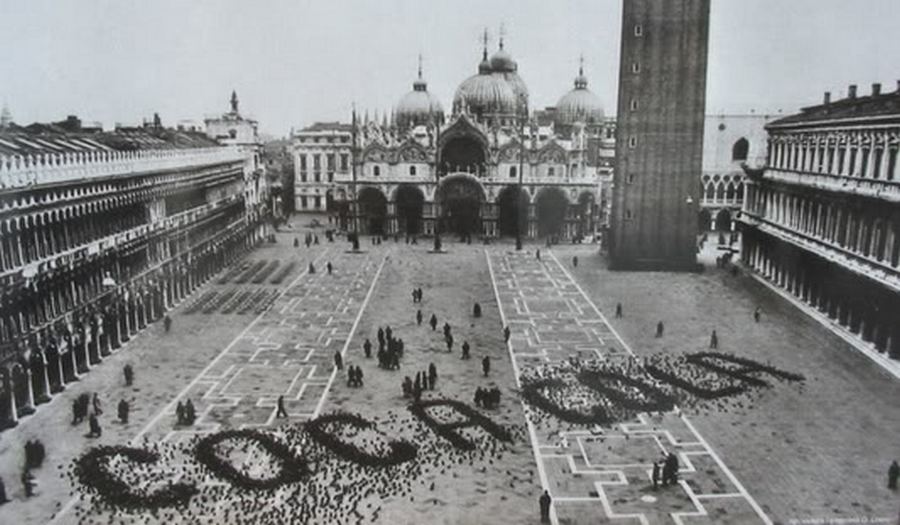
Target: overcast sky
294,62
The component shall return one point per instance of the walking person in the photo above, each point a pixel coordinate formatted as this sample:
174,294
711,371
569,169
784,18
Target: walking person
367,348
281,411
338,360
713,341
433,322
506,334
486,365
328,267
123,409
129,375
756,314
575,261
659,329
167,323
419,317
618,310
655,476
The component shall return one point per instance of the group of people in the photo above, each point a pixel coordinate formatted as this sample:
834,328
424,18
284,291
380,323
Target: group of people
81,408
417,296
354,376
390,349
665,471
424,381
487,397
309,239
186,413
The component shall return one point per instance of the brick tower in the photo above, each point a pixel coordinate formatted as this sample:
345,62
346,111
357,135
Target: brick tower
659,137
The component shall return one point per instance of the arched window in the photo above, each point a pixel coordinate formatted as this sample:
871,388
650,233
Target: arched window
512,171
412,170
740,149
376,170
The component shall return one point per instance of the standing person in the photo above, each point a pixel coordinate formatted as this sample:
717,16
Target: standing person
537,254
338,360
281,411
756,314
328,267
123,411
449,340
506,334
432,376
167,323
655,475
95,426
659,329
129,375
367,348
415,296
95,402
893,474
465,350
713,340
312,268
419,317
433,322
296,242
544,501
486,365
76,412
476,310
575,261
618,310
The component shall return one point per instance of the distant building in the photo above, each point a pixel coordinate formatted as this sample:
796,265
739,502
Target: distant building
662,92
821,219
322,153
729,142
421,171
234,129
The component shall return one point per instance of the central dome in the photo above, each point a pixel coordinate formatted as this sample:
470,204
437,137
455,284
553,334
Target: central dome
418,106
485,94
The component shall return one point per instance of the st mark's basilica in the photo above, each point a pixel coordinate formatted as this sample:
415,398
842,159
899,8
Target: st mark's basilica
472,173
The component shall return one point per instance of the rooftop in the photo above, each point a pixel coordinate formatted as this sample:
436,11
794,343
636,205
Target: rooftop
853,107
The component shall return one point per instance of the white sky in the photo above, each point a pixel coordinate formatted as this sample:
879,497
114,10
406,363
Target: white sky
293,62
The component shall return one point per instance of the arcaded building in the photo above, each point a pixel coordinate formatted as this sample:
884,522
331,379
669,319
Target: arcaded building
659,134
490,167
100,233
821,220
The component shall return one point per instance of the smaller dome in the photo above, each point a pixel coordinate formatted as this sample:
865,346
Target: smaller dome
501,61
418,106
579,104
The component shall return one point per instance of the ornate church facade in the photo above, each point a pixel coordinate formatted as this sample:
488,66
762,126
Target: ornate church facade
490,168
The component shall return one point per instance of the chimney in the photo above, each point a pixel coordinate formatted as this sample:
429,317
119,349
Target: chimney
876,89
827,98
851,91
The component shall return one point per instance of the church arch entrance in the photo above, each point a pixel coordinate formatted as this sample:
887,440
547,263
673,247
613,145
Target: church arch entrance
372,211
513,204
409,201
585,213
551,205
460,198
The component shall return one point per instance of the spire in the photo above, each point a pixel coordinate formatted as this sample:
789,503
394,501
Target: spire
581,80
581,65
234,101
5,116
420,66
485,42
502,34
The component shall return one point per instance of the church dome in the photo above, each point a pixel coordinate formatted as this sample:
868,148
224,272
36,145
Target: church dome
418,106
485,94
519,89
579,105
501,61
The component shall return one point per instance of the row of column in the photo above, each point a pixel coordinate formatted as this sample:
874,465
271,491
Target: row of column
864,308
54,356
864,230
876,159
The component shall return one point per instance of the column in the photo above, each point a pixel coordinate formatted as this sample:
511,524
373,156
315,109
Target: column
29,404
13,412
45,376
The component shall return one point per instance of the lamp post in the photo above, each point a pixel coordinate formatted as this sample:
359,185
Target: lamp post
437,180
519,186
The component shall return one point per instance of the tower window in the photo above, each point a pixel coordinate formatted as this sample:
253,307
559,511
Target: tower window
376,171
634,104
512,171
630,178
638,30
551,171
635,67
412,170
740,149
632,142
628,215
